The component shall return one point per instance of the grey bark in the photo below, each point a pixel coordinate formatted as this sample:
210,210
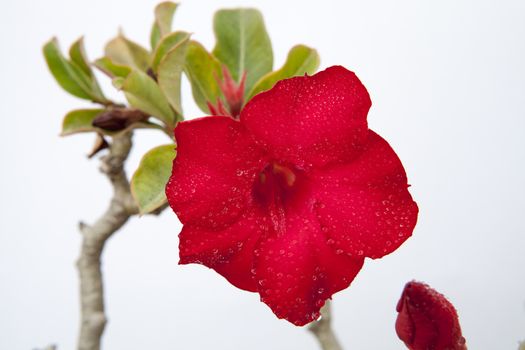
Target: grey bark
94,237
322,329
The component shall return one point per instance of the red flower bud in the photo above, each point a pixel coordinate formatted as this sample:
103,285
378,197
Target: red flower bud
233,93
427,320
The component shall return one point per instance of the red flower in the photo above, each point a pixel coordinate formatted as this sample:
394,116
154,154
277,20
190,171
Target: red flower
290,199
427,320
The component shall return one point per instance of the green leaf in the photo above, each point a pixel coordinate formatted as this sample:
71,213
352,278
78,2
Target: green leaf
79,120
301,59
243,44
150,178
118,82
68,75
154,37
163,21
170,73
167,43
142,92
125,52
164,16
77,54
111,69
202,69
78,57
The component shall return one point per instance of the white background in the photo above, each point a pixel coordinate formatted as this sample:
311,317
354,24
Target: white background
447,80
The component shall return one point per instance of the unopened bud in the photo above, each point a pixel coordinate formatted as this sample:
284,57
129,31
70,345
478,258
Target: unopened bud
115,119
427,320
232,91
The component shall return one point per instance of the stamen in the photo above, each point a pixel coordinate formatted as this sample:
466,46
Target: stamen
286,173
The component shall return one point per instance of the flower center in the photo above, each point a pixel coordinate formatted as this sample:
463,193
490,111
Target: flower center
275,184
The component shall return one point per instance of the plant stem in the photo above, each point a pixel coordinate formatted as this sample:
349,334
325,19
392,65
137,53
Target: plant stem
322,329
94,237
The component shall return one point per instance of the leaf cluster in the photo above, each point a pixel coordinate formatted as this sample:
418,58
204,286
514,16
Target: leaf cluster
150,80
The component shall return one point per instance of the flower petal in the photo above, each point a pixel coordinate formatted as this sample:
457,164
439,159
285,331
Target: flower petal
312,119
213,172
296,271
364,205
229,251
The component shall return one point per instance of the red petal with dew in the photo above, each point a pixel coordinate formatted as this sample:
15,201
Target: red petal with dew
229,251
310,120
296,271
213,172
364,205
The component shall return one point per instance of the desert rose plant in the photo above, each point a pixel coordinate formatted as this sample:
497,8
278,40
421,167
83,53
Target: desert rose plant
280,185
